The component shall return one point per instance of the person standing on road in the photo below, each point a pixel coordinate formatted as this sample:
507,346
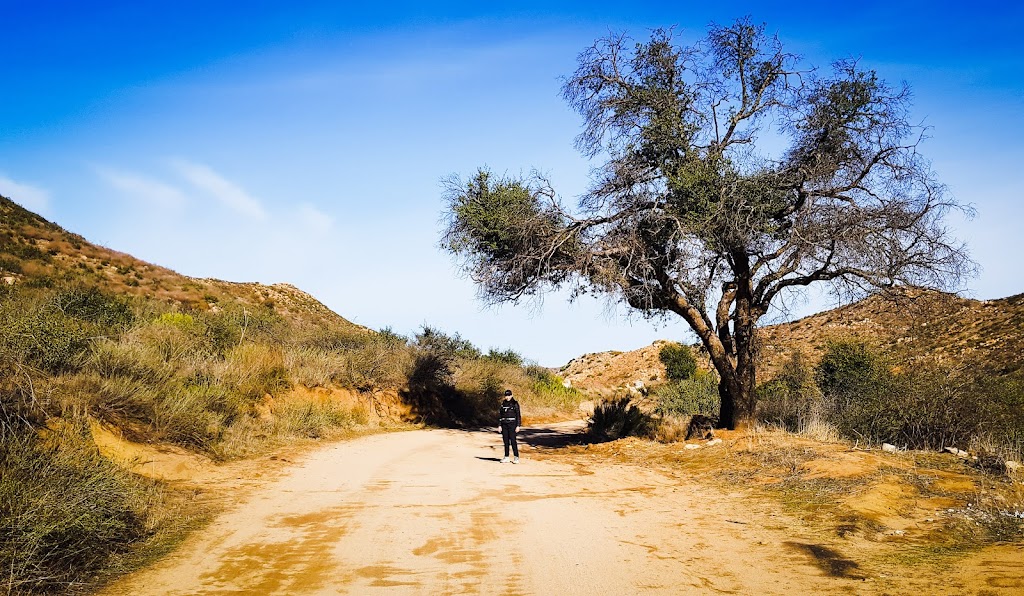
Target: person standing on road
509,421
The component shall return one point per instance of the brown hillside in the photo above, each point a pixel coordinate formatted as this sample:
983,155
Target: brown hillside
34,251
984,335
606,373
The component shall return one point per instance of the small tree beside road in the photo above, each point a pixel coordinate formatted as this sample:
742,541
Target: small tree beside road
694,214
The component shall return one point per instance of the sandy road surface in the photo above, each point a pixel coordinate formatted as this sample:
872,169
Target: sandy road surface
433,512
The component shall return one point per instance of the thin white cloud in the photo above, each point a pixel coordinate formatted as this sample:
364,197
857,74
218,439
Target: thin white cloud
220,188
28,196
315,220
149,190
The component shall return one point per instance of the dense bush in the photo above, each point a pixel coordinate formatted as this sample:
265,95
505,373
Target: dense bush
65,511
550,390
94,306
792,399
10,265
849,370
448,347
928,405
381,361
859,388
1004,428
452,383
53,331
619,417
678,360
504,356
33,334
697,394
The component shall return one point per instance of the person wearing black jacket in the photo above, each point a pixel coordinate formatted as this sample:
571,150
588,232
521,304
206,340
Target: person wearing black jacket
509,421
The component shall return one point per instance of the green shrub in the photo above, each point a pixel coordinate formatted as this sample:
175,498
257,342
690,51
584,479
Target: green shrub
391,339
56,343
445,346
697,394
172,338
550,389
932,406
792,399
40,281
95,306
927,406
221,332
678,360
34,334
619,417
850,369
431,379
129,358
1004,426
384,361
27,251
10,265
859,391
504,356
329,339
257,324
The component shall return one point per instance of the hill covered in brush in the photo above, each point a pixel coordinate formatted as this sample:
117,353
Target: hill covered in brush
913,367
911,325
102,354
37,253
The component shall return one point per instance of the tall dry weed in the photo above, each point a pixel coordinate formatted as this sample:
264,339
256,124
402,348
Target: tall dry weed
66,512
254,370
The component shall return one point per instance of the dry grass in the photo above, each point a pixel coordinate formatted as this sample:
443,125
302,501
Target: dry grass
70,517
908,508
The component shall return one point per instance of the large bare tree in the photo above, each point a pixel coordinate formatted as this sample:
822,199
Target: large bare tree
732,174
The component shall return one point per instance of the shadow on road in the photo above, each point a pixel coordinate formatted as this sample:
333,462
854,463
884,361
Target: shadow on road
828,560
549,438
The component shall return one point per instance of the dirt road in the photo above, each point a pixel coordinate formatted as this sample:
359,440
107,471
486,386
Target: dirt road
434,512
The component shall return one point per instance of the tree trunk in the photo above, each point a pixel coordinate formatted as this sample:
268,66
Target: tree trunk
745,397
737,388
727,409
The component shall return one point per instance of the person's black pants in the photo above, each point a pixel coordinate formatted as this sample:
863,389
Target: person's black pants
508,436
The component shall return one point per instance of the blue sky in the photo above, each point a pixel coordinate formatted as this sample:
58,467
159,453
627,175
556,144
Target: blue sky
304,142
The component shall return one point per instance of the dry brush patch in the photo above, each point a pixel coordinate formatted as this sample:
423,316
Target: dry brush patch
889,511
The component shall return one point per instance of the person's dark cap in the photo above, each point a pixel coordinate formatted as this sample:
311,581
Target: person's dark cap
508,392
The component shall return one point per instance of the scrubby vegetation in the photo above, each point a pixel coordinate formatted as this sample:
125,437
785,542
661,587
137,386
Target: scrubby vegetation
452,382
926,404
220,381
620,417
66,512
678,360
853,389
697,394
